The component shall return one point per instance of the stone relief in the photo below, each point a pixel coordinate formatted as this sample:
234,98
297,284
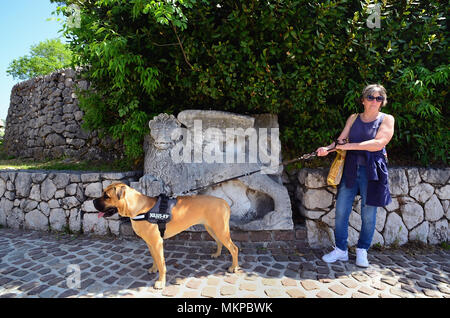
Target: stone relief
178,157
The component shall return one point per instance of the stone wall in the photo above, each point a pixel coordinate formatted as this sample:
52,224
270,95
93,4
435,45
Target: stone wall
58,200
62,201
419,210
44,121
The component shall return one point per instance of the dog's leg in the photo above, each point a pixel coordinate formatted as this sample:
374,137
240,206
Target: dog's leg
155,245
154,268
160,263
234,253
222,232
219,243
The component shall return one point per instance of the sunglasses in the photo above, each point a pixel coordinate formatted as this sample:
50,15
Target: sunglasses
378,98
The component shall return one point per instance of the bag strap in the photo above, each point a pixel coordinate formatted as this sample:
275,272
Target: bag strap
355,115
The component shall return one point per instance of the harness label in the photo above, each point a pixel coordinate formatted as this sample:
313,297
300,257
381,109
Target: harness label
158,216
160,213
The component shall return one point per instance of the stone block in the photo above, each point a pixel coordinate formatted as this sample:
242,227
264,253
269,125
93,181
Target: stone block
435,176
48,190
395,231
94,225
422,192
58,220
412,214
313,178
438,232
398,182
420,233
317,199
36,220
433,209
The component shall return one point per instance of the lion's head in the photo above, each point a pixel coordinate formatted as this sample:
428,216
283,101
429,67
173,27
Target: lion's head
162,128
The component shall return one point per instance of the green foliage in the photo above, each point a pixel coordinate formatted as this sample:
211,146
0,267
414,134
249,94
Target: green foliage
44,58
306,61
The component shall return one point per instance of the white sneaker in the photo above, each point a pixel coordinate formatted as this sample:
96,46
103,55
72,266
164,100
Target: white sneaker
361,257
336,255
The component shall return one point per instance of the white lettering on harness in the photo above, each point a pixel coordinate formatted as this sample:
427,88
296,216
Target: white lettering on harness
158,216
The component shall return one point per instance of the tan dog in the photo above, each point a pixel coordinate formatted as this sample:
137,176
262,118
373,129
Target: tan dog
212,212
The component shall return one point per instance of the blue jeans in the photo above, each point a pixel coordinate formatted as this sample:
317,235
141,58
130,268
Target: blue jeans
344,203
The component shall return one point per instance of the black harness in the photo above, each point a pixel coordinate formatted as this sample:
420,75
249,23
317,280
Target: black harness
160,214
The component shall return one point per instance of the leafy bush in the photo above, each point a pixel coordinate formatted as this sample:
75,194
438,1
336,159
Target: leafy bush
306,61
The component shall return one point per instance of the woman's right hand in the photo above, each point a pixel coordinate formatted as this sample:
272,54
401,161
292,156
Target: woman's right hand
322,151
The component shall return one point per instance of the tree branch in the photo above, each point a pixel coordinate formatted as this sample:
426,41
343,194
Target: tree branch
181,46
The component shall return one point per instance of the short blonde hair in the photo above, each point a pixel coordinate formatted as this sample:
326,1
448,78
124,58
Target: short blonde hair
371,89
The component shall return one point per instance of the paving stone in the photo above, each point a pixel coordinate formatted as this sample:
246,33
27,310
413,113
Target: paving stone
227,290
209,291
248,286
430,293
213,281
425,285
440,279
409,288
273,292
324,294
338,289
444,290
389,281
358,295
118,268
190,294
360,277
295,293
349,283
269,282
309,285
68,293
288,282
366,290
232,279
378,285
170,291
399,292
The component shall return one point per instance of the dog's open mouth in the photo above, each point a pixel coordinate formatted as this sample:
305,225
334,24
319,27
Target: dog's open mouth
108,212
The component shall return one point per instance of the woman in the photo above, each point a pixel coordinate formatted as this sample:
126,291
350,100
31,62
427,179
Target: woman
365,172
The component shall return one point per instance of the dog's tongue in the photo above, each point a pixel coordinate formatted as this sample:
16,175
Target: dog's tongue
100,214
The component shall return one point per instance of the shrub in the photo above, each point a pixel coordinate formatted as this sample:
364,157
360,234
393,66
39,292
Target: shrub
303,60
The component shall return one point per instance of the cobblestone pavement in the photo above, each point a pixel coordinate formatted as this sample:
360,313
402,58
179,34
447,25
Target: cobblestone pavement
36,264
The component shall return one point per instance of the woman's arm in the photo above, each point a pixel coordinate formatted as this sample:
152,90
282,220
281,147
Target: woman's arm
323,151
383,137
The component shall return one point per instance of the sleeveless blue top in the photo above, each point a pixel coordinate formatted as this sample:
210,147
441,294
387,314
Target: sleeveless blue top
378,193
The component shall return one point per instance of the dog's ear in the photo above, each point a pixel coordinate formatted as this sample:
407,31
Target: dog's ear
120,192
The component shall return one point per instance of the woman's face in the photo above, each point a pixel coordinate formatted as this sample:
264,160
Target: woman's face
373,101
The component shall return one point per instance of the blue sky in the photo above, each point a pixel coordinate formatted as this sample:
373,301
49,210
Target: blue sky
23,23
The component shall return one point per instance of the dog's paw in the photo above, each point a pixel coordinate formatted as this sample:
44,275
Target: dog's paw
215,255
160,284
153,269
233,269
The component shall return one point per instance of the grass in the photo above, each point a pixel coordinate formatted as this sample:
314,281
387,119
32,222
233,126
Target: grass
10,163
62,164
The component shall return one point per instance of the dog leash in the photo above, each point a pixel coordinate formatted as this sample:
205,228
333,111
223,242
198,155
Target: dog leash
284,163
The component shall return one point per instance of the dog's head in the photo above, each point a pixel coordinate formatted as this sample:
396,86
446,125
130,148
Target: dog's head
112,200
